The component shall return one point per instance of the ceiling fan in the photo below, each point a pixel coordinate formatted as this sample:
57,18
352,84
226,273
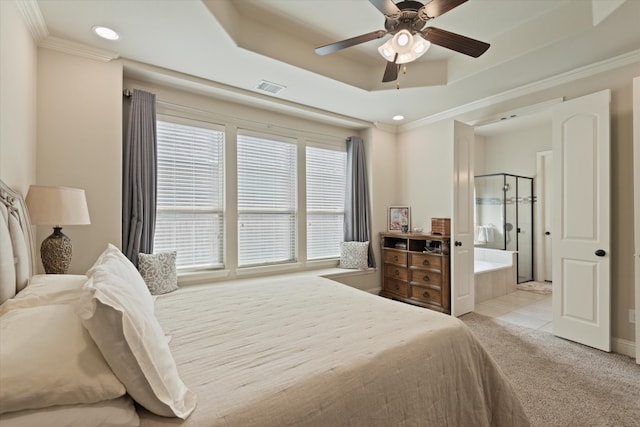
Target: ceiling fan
406,21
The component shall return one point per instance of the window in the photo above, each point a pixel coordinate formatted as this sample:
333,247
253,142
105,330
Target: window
266,199
190,195
326,180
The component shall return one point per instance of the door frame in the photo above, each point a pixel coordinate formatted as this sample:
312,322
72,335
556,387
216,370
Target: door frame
636,221
543,175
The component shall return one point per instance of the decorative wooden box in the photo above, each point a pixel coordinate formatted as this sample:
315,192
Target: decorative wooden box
441,226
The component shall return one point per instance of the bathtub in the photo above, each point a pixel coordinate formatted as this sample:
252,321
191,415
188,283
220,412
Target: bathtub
495,273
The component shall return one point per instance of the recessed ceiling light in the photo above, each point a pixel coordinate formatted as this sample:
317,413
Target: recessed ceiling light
398,117
106,33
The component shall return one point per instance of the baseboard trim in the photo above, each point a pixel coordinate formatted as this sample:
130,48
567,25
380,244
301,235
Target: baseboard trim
628,348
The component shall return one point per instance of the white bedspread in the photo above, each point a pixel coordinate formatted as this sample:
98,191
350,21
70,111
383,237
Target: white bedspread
313,352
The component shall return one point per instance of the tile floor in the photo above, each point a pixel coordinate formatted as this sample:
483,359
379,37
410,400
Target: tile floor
523,308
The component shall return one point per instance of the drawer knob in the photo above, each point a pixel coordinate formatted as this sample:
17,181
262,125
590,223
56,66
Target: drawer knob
397,287
395,258
397,272
425,262
426,278
425,294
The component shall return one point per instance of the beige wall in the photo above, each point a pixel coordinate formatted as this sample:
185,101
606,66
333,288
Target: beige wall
18,62
620,83
514,152
80,145
426,173
384,184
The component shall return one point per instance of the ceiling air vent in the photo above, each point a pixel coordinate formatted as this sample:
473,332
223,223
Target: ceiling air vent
270,87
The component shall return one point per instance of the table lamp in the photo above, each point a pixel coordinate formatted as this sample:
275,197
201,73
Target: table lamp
57,206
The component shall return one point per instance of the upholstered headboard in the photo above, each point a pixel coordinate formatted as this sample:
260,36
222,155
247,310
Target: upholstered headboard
16,243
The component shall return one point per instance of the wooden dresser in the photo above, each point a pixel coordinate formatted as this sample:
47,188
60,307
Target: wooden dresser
415,269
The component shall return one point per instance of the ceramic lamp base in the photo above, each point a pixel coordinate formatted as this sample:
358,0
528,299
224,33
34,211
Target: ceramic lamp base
56,252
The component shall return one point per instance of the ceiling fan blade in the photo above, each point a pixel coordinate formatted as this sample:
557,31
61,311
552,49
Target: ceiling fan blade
439,7
334,47
391,71
454,41
387,7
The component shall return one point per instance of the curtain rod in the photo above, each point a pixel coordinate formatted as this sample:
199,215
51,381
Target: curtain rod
127,93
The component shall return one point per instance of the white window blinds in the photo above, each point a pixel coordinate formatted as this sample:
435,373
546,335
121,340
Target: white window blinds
266,199
326,177
190,195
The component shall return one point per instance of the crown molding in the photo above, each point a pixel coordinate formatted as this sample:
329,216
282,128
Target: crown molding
558,80
33,18
78,49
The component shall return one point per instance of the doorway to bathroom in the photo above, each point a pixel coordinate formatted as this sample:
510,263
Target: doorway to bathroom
504,217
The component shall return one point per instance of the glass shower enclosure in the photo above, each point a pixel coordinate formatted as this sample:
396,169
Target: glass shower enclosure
504,217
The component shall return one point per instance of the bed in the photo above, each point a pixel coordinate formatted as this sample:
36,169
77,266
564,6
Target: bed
291,350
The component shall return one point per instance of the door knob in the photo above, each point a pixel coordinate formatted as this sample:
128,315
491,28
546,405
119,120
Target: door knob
457,243
600,252
547,233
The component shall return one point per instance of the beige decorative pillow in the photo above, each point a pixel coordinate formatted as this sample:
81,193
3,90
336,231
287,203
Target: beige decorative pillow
159,271
48,358
354,255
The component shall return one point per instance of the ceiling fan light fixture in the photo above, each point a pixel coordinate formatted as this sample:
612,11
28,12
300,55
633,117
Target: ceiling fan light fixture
403,38
387,51
402,41
414,47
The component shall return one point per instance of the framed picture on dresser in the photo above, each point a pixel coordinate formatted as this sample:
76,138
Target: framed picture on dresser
399,219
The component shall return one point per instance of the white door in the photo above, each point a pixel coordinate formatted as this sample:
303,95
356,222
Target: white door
581,235
462,285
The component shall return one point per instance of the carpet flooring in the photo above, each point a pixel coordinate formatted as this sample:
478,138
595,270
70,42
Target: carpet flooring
561,383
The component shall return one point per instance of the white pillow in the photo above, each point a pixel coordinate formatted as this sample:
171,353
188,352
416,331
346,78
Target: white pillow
48,358
118,412
134,345
47,289
159,271
354,255
114,263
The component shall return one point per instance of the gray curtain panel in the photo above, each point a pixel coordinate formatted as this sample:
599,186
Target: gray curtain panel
139,177
357,222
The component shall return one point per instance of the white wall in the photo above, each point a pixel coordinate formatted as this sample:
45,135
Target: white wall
514,152
425,172
18,62
384,182
79,145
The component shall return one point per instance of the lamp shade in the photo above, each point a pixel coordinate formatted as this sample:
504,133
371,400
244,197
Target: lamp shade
57,205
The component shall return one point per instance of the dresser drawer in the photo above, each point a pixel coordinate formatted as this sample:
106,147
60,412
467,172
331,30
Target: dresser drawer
428,295
396,287
432,262
395,272
395,257
426,277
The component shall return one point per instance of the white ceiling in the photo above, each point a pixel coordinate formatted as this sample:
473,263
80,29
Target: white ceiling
237,43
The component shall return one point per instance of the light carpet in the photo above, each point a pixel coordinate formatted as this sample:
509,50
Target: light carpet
561,383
